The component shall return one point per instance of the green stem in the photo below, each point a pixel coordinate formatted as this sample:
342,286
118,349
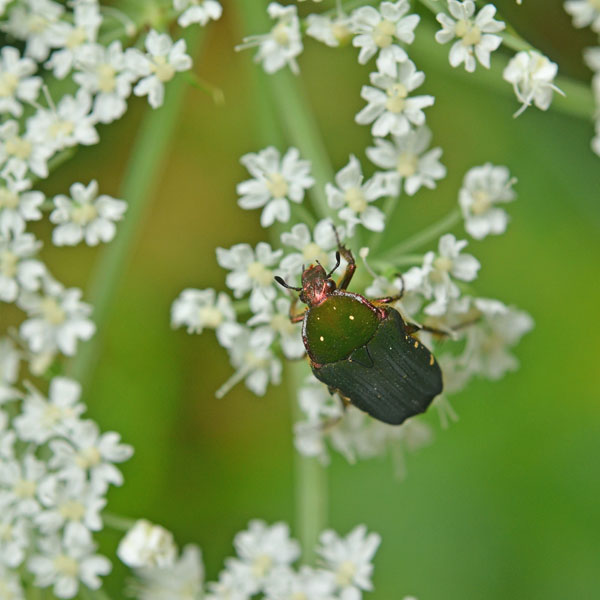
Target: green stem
149,153
117,522
422,238
389,206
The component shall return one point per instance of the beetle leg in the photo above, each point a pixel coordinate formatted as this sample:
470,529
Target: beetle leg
346,278
414,328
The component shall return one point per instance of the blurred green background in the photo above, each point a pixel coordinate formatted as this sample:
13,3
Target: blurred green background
504,503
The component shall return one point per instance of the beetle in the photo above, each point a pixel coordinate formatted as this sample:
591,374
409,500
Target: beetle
362,349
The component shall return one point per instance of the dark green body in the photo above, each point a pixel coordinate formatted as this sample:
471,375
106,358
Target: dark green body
387,373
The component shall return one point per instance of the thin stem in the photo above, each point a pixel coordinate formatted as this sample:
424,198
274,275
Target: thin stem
149,153
389,206
117,522
422,238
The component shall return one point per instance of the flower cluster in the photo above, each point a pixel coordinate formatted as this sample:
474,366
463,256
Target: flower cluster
256,325
262,568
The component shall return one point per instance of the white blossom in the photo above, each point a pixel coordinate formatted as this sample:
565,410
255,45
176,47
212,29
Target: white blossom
199,309
65,561
282,44
18,270
476,37
22,150
158,66
14,536
350,559
17,204
10,584
285,584
584,13
409,163
16,83
352,197
276,181
9,370
333,31
251,271
236,582
85,215
197,11
19,484
147,545
57,318
378,30
532,75
484,188
389,106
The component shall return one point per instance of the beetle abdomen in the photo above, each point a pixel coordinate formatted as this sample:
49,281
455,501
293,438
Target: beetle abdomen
392,377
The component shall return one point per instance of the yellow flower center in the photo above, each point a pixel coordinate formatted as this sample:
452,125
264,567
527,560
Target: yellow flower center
8,263
88,457
66,565
355,199
83,214
260,273
211,316
341,32
383,33
441,266
37,23
76,38
261,565
163,69
396,98
277,185
24,488
345,573
468,31
407,164
282,324
313,252
8,84
8,199
481,202
106,78
61,128
280,34
72,510
19,147
51,311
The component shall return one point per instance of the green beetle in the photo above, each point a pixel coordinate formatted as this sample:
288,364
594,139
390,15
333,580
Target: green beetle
363,349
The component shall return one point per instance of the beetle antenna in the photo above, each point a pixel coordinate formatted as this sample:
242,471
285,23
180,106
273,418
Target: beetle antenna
337,264
282,283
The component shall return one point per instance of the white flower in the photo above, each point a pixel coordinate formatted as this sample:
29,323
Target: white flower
90,453
251,271
158,66
183,580
377,30
275,182
18,205
198,309
85,215
57,318
69,124
16,85
274,321
350,559
14,533
352,197
332,31
282,44
408,161
584,13
10,584
262,548
390,108
105,73
483,189
592,58
434,278
9,370
70,38
33,21
285,584
236,582
18,271
254,362
147,545
23,151
42,418
532,76
475,35
311,248
197,11
65,562
19,484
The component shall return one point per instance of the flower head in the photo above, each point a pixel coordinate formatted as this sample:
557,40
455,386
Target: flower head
197,11
147,545
584,13
16,82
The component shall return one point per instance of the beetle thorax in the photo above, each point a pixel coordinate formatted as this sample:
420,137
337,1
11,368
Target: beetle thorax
315,285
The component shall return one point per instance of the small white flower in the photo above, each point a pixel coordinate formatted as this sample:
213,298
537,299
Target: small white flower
42,418
19,484
18,270
532,75
16,85
64,562
69,124
276,181
333,31
197,11
147,545
85,215
592,58
483,189
407,160
104,73
285,584
251,271
584,13
17,204
264,547
33,21
23,151
236,582
350,559
70,38
57,318
9,371
198,309
352,197
475,35
377,30
14,541
158,66
274,322
311,248
390,108
183,580
282,44
10,583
